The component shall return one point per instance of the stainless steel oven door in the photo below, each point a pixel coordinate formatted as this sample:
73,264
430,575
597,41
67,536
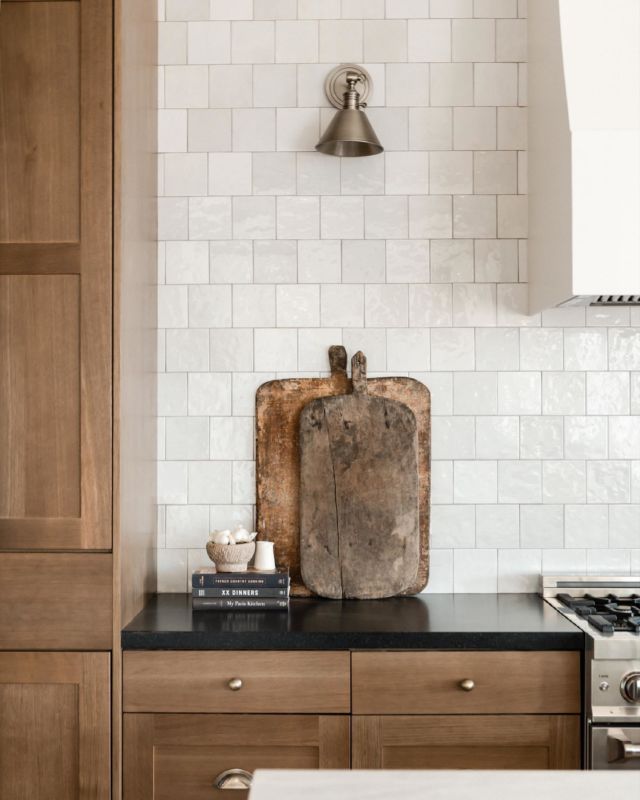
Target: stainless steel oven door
615,748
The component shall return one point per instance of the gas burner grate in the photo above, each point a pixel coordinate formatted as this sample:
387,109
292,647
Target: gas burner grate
610,623
608,613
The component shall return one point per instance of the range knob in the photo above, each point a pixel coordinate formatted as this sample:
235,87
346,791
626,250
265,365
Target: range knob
630,687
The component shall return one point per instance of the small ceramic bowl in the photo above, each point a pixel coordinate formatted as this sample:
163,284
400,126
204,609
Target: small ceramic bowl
231,557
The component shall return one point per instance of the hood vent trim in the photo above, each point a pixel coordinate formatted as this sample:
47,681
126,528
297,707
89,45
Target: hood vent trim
616,300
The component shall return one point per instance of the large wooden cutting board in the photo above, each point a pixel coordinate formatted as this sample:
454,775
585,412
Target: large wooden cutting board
359,514
278,407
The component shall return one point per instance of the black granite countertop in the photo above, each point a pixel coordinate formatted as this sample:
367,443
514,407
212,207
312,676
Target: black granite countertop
436,621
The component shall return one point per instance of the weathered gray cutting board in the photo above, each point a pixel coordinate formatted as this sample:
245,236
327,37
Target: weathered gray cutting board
359,505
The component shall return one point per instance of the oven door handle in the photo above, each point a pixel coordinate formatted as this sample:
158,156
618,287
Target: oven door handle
619,748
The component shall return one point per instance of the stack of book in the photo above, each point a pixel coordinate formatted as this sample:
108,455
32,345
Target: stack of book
240,591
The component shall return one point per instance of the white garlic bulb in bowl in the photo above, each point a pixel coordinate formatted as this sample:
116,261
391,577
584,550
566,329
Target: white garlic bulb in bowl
240,535
221,537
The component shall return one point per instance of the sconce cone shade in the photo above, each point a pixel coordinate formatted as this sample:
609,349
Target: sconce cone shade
349,134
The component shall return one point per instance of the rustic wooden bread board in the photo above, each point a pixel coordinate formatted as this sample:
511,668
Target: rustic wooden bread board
278,407
359,511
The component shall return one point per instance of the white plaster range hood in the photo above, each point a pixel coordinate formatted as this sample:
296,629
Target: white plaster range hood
584,152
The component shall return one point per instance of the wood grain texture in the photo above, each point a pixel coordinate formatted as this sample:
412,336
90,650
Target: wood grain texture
96,185
135,312
40,398
180,755
43,720
467,742
278,407
134,328
56,601
505,682
39,122
55,327
40,259
359,511
289,682
54,726
367,742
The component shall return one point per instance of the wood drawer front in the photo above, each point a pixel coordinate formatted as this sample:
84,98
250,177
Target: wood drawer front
181,755
429,683
467,742
56,601
272,682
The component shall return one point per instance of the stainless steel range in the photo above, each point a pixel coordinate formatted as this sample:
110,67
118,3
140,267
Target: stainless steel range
607,609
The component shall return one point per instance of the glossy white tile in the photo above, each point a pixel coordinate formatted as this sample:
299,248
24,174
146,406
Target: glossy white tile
497,526
497,437
474,39
270,252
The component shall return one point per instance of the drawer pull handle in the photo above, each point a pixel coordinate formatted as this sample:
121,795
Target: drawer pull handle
235,684
234,779
467,685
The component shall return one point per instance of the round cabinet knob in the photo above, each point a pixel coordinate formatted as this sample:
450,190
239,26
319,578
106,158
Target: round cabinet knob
467,685
630,687
235,684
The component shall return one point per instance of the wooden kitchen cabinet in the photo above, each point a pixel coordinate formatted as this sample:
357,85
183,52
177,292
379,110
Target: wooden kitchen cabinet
78,253
483,741
54,726
466,710
247,710
56,349
183,755
192,715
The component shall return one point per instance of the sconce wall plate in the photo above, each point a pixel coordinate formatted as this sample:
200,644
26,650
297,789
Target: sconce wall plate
336,85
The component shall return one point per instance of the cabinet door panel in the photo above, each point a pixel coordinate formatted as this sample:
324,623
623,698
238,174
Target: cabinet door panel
40,107
40,392
180,755
25,709
55,274
54,726
467,742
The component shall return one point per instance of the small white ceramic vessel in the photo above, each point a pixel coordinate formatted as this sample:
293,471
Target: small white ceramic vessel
265,559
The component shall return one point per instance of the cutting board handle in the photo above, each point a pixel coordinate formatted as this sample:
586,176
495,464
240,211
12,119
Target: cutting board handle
359,373
338,359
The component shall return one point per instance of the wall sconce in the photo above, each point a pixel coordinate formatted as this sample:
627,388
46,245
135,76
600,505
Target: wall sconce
349,133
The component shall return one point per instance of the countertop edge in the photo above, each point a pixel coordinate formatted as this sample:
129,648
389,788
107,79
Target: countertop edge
192,640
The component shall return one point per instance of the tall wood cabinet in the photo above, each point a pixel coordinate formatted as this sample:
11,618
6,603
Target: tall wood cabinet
55,275
77,235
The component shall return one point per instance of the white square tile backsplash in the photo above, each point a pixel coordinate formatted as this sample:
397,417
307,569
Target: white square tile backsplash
271,252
